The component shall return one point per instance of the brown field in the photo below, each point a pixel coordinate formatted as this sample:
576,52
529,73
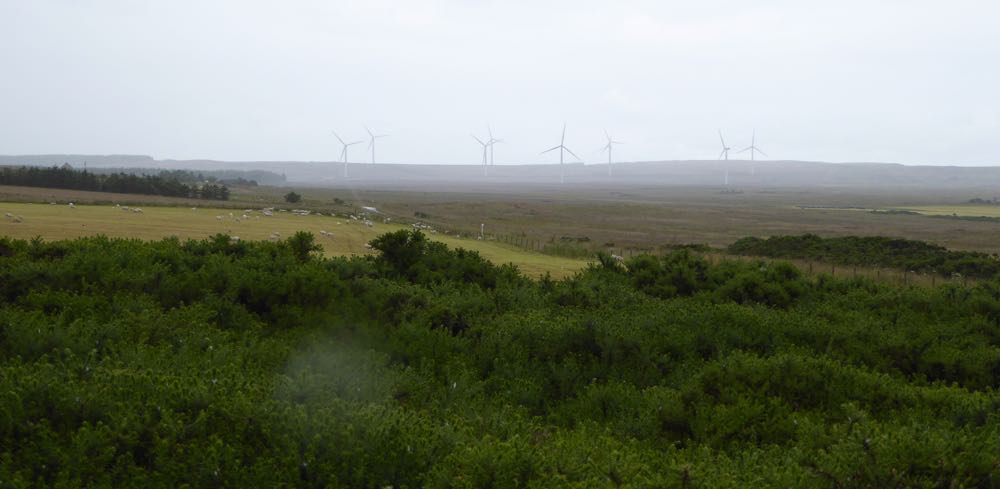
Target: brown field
645,218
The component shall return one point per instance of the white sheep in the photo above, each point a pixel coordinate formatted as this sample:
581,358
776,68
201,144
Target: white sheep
8,215
72,205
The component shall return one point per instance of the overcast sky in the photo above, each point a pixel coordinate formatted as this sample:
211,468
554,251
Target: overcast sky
850,80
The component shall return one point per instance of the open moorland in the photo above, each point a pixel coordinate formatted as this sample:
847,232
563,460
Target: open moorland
654,216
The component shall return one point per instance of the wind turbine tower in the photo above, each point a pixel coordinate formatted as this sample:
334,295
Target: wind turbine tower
486,145
492,141
753,149
343,151
371,142
724,155
608,147
562,147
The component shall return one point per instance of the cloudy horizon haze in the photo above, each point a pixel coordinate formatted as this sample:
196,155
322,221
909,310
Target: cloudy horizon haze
904,82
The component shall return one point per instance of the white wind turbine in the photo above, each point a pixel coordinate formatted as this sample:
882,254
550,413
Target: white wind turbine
492,141
725,149
753,149
608,147
486,145
343,151
562,147
371,142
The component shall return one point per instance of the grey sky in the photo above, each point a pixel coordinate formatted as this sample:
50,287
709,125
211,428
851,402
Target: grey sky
902,81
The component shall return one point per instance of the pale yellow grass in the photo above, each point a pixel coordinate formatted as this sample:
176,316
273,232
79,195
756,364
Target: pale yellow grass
972,210
54,222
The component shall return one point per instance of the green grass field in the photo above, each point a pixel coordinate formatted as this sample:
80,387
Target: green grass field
53,222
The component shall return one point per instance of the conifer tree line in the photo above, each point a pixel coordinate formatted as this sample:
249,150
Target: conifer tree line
123,183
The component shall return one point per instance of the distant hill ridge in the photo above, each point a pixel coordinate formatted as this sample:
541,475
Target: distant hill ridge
741,173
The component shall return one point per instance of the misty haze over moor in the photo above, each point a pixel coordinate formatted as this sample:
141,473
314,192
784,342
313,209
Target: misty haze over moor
910,82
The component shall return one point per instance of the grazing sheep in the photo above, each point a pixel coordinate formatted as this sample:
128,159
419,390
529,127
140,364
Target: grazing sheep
218,218
8,215
72,205
18,219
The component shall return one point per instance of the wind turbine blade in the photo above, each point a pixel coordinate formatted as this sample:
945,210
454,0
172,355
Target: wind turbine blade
721,154
608,136
369,131
721,139
572,153
563,139
338,137
480,141
550,149
748,148
761,152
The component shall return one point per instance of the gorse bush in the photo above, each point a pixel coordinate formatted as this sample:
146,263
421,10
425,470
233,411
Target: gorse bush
874,251
221,363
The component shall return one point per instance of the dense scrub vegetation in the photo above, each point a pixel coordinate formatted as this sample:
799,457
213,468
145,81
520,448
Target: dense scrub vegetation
874,251
123,183
225,363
